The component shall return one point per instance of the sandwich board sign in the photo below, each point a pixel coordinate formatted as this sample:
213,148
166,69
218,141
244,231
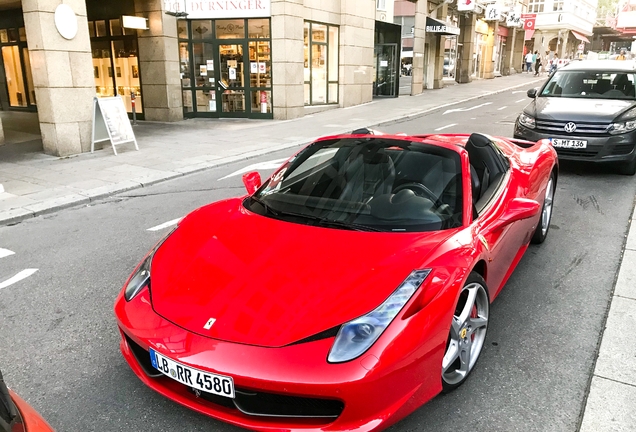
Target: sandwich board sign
111,123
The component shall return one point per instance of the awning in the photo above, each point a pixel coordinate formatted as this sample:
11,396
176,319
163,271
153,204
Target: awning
580,37
440,27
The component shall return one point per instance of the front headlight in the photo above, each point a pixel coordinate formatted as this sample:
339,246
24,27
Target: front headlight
357,336
527,121
139,280
622,127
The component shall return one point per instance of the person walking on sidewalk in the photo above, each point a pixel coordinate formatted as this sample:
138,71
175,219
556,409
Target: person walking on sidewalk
529,61
537,63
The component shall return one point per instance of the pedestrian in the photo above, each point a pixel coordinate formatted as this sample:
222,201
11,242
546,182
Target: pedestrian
537,63
554,64
621,56
529,61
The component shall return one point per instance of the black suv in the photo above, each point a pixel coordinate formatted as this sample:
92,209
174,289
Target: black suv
587,109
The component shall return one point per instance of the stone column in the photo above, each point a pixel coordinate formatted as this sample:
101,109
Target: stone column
287,59
564,45
488,63
419,41
357,41
62,76
464,70
159,63
438,73
512,52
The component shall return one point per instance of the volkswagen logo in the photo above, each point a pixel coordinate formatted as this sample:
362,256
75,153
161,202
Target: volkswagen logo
570,127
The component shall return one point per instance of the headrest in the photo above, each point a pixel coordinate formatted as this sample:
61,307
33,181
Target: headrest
480,140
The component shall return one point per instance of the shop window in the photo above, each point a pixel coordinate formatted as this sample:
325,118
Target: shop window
321,63
15,79
116,63
230,29
22,33
4,36
202,29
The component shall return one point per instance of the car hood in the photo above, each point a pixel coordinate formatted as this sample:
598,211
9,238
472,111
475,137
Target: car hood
577,109
270,283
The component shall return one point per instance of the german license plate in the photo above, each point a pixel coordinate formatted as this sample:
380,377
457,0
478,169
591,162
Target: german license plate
565,143
194,378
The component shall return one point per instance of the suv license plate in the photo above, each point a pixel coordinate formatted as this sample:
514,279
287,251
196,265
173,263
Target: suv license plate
565,143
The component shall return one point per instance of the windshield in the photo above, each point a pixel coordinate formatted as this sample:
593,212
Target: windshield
591,85
368,184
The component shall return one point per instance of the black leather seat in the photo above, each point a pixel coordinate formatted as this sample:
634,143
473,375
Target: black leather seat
367,173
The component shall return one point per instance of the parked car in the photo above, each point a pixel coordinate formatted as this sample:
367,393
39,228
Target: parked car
587,110
16,415
347,290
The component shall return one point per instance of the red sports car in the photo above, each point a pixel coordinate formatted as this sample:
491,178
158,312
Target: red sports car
16,415
347,290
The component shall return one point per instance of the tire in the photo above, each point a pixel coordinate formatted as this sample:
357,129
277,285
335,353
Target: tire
627,168
467,333
543,226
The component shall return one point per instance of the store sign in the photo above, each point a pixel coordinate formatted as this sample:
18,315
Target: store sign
466,5
514,17
440,27
493,12
528,24
212,9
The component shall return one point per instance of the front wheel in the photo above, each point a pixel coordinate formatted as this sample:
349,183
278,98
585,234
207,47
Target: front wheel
543,227
467,333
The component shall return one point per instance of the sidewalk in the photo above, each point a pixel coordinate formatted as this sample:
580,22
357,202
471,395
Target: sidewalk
35,183
611,403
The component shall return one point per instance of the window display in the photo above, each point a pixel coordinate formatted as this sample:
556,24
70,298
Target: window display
15,58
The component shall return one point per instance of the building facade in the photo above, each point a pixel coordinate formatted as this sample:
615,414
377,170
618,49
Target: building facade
269,59
562,27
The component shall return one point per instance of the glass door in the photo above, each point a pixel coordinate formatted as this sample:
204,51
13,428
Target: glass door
232,80
386,70
204,73
15,59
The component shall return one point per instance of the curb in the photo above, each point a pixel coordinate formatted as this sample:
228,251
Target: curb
19,214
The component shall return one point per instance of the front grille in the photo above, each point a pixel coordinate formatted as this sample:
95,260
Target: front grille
622,149
275,405
143,358
576,152
250,402
582,128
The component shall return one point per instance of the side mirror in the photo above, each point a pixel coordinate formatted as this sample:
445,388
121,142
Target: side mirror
252,181
518,209
532,93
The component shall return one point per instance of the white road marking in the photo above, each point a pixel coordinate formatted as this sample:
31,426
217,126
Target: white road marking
521,100
518,91
164,225
502,108
445,127
5,253
466,109
17,278
257,166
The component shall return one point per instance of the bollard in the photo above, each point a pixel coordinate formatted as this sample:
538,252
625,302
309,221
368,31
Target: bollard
133,96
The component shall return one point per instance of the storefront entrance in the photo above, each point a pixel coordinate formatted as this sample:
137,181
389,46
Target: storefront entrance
226,68
17,90
385,60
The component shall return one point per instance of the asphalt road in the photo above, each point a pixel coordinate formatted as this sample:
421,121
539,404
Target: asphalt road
59,345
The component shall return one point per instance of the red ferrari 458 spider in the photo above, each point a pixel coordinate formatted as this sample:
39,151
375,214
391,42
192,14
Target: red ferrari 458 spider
347,290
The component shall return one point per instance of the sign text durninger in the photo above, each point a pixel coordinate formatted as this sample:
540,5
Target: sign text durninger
220,8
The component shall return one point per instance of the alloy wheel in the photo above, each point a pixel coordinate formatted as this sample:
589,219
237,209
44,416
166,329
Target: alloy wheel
467,334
